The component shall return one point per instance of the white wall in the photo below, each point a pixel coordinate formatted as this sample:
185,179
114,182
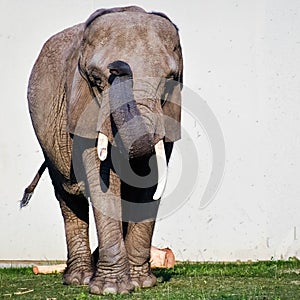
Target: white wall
242,58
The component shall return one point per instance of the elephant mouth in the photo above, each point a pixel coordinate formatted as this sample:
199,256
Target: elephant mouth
162,168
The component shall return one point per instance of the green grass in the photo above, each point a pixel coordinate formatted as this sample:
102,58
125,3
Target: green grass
276,280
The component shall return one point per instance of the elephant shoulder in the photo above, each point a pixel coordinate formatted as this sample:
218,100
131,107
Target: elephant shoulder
50,65
58,47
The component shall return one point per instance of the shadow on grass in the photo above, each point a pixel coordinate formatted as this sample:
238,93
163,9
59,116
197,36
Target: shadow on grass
163,275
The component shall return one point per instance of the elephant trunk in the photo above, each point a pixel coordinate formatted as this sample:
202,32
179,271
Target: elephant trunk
134,125
137,126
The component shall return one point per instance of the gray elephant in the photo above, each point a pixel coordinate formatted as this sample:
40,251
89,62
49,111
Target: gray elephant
104,99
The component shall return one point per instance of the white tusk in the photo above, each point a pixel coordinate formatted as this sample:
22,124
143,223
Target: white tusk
162,169
102,146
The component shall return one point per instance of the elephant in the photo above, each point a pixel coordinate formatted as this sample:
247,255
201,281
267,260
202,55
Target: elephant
104,98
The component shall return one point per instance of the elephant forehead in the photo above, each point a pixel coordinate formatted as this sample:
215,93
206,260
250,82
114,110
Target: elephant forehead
127,28
145,41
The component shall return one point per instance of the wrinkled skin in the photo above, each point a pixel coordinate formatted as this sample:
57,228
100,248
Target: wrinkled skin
110,53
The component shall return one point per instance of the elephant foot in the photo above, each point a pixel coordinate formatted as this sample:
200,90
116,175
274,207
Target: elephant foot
141,276
106,284
77,278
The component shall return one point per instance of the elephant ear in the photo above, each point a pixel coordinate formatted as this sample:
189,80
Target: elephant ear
172,111
172,104
82,106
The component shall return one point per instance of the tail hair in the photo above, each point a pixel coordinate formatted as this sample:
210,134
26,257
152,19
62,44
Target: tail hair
30,189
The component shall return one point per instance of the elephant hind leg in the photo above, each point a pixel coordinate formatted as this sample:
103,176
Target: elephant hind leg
75,211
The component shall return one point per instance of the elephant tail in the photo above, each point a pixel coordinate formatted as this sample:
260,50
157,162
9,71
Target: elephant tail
30,189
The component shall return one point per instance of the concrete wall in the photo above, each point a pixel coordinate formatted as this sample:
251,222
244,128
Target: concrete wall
242,60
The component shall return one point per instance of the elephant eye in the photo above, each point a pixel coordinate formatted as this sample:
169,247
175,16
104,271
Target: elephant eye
95,80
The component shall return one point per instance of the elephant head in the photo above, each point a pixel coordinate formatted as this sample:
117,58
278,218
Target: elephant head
125,88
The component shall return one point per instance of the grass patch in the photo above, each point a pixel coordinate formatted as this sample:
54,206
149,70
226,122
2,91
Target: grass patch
274,280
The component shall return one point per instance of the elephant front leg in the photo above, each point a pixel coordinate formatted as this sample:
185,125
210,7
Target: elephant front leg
76,218
112,273
138,245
